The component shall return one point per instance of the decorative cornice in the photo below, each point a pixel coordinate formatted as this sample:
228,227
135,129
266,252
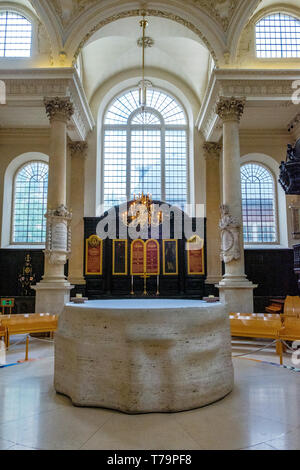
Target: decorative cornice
78,149
59,108
230,109
212,150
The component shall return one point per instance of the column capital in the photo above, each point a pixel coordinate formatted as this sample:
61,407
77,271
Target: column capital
59,108
78,149
230,109
212,150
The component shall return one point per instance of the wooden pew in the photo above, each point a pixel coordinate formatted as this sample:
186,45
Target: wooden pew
284,327
28,323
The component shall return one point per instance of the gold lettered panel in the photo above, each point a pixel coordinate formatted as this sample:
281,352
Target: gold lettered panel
170,257
137,258
152,258
94,256
195,256
120,257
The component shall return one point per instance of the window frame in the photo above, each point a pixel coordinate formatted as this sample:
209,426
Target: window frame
128,128
266,14
276,205
29,16
13,201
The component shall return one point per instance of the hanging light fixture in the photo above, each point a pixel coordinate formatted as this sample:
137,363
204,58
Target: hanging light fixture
144,84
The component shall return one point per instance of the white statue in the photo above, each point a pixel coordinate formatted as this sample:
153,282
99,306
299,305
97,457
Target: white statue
230,236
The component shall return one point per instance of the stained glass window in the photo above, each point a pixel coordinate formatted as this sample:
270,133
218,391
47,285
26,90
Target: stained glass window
15,35
278,36
30,204
145,150
259,204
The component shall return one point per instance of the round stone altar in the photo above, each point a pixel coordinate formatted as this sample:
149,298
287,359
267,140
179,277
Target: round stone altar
144,355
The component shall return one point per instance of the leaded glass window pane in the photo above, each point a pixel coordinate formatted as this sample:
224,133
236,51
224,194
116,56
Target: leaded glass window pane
15,35
30,204
278,36
259,204
145,150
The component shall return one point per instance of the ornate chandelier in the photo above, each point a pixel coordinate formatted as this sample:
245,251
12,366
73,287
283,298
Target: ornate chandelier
142,211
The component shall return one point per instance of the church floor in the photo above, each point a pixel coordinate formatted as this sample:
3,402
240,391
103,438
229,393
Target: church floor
262,413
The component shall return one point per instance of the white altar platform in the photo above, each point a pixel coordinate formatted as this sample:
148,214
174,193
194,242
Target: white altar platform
144,355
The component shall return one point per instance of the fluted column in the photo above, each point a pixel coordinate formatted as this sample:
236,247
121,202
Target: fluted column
235,289
212,153
78,155
54,290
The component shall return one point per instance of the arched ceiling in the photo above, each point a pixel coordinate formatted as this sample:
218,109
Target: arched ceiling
217,22
176,50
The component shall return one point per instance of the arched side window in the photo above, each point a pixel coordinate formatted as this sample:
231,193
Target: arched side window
259,204
30,204
278,36
145,150
15,35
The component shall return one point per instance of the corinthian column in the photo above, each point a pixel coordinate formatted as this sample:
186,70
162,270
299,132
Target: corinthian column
212,153
54,290
78,154
235,289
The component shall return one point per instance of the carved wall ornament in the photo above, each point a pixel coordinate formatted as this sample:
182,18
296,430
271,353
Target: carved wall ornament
230,236
212,150
58,238
57,107
78,148
229,109
221,10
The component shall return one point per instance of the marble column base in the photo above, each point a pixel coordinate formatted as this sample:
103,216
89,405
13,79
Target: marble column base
51,297
237,295
142,356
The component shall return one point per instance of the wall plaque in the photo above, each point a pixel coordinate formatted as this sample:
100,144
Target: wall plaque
94,256
170,257
152,258
195,256
137,258
120,258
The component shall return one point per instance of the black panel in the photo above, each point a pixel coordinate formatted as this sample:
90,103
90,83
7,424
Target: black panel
273,271
11,264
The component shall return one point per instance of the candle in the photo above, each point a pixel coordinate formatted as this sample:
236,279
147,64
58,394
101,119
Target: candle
78,296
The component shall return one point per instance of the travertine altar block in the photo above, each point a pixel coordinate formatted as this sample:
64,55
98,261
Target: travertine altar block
141,356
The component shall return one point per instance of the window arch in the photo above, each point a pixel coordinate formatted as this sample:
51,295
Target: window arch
15,35
259,204
145,150
278,36
30,203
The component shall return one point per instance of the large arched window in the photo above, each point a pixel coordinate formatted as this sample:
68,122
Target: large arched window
145,150
259,204
15,35
30,204
278,36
